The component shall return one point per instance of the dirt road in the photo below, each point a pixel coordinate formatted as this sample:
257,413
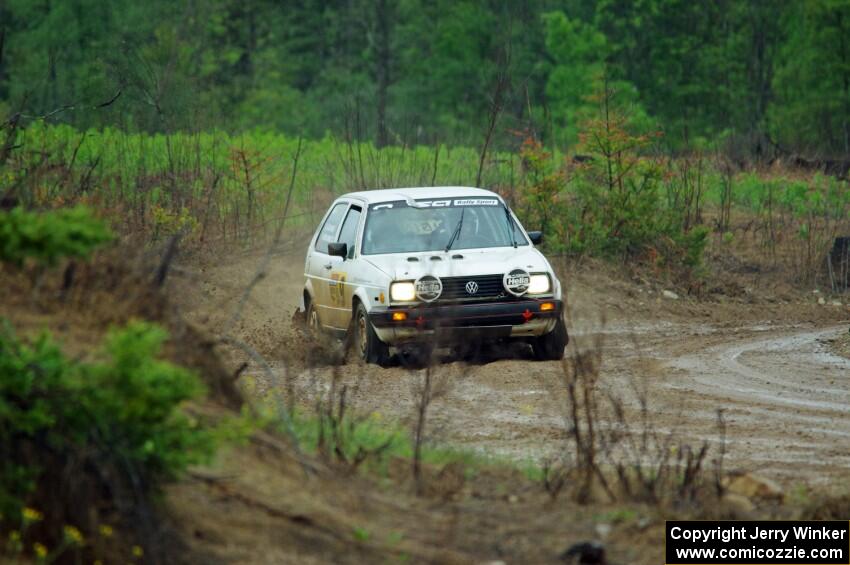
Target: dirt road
784,396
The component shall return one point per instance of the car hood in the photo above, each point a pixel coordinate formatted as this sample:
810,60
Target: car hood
401,266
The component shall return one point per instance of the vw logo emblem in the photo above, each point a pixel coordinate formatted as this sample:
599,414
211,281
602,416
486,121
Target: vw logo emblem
471,287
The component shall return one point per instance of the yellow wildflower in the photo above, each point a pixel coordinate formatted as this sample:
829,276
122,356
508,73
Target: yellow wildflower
137,551
106,530
40,550
32,515
14,535
73,535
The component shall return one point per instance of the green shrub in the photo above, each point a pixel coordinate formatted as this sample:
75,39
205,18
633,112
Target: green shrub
47,237
690,245
132,400
32,378
610,203
120,415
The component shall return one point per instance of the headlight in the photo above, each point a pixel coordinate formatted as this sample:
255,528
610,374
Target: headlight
402,291
539,284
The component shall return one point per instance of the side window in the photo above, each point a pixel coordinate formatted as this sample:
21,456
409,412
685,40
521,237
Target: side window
328,232
348,234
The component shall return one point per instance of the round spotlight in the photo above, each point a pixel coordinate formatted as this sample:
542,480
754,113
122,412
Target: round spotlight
517,281
428,288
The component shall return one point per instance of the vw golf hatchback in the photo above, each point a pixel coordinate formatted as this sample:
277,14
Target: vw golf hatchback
425,267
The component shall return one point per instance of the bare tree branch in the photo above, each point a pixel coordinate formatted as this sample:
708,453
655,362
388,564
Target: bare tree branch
502,82
110,101
262,270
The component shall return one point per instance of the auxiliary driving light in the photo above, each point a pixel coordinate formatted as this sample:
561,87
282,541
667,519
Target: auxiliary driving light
399,316
539,284
403,291
547,307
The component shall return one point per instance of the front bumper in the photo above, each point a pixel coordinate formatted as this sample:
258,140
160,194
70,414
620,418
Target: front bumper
463,321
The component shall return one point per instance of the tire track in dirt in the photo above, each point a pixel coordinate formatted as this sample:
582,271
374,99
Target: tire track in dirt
787,399
784,396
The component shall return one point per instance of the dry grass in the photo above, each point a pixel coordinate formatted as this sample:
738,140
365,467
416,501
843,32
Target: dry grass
615,451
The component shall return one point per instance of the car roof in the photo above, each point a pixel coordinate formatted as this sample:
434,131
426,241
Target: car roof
392,194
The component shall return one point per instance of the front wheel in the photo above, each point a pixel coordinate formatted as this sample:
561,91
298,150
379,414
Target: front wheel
550,347
368,345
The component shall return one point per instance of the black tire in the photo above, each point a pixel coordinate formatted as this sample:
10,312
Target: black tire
367,344
550,347
416,356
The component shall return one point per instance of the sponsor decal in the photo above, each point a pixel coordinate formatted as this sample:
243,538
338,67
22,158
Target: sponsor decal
428,288
476,202
516,281
445,203
337,288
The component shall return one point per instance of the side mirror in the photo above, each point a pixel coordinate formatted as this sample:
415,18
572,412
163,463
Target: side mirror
536,237
338,250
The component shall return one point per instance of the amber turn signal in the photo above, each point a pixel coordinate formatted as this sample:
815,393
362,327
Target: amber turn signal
547,306
399,316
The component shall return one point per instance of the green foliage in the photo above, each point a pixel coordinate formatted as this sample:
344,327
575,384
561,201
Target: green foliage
579,53
30,375
737,68
47,237
543,181
372,436
462,62
361,534
132,400
217,185
167,222
383,440
812,81
700,68
820,196
120,414
610,202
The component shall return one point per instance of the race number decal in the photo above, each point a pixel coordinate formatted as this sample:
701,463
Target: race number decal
337,288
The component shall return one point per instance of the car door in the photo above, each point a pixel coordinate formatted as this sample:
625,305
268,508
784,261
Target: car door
319,264
340,286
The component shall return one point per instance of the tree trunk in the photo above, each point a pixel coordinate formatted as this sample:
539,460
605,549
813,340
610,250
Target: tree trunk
2,45
382,69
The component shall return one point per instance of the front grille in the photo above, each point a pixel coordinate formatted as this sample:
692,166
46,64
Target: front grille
489,287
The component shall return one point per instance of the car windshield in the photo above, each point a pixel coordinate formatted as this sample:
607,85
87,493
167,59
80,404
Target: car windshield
430,225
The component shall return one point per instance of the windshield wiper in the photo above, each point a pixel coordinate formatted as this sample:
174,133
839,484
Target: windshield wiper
511,227
457,231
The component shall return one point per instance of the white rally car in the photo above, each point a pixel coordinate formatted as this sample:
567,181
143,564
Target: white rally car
419,267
